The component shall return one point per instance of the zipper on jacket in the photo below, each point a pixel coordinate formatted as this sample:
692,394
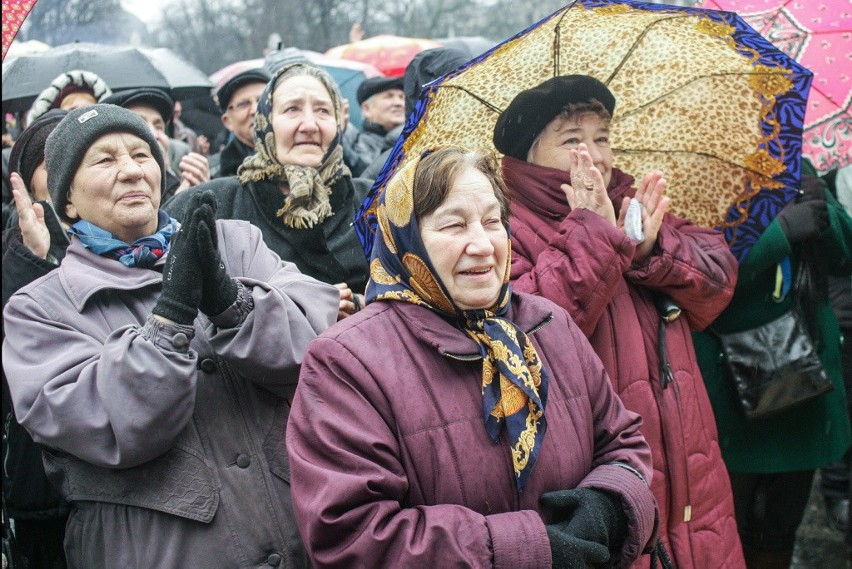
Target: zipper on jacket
474,357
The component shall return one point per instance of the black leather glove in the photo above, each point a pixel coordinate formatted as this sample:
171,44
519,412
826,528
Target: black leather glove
181,294
218,291
586,516
803,220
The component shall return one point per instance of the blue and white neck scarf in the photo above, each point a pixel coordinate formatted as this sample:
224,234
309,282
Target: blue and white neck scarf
143,252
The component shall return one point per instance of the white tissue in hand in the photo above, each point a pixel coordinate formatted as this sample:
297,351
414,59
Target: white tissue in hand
633,221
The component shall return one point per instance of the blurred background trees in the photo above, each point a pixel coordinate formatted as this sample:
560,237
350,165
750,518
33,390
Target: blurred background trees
213,33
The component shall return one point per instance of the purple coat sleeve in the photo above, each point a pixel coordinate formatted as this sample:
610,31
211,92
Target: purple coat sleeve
582,264
348,481
693,265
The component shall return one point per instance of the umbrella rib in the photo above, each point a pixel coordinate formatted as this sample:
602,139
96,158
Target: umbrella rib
477,97
636,43
691,153
673,91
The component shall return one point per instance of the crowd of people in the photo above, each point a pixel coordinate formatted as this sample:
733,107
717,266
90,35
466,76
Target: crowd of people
201,368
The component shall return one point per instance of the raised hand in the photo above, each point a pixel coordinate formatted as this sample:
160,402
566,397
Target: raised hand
194,170
34,232
181,294
218,290
654,207
587,189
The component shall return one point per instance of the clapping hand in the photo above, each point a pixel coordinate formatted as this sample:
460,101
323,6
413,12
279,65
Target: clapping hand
34,232
587,189
654,207
194,170
219,290
181,295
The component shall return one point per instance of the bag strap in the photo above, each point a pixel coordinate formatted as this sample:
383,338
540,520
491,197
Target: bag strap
660,553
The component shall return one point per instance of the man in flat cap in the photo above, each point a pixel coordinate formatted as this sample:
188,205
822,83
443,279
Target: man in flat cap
184,168
382,103
238,99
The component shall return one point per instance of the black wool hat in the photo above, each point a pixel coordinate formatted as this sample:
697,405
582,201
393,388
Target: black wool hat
226,91
73,136
375,85
28,150
531,110
157,99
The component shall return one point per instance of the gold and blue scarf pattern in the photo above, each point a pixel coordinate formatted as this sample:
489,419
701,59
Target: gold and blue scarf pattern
514,381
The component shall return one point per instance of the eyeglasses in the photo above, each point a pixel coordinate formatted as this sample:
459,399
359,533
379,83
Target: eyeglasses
244,105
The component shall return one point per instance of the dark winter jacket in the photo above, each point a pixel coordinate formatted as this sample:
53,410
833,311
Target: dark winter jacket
811,435
373,140
27,493
232,157
329,252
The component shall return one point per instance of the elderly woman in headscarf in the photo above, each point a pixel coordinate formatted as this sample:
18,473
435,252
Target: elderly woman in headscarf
156,363
622,279
453,422
296,187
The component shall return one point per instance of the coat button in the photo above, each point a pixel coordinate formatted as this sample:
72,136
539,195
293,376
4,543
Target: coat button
273,560
208,365
243,460
180,340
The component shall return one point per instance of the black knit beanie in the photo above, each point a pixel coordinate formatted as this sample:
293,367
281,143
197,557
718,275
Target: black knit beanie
28,150
73,136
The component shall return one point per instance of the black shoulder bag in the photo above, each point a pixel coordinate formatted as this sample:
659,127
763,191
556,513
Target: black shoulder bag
776,366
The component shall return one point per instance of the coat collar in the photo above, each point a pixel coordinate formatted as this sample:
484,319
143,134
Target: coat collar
529,312
82,274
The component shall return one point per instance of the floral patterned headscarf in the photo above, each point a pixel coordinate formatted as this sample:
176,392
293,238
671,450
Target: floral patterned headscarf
307,200
514,381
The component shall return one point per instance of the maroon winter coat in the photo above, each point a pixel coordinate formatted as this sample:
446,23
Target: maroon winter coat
584,264
391,463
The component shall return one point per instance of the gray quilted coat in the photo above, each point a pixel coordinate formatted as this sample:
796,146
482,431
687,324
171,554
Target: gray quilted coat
167,439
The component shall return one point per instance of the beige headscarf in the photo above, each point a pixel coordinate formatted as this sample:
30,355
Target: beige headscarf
306,201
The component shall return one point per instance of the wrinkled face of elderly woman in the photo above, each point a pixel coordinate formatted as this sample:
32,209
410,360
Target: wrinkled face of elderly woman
303,121
562,134
467,241
117,187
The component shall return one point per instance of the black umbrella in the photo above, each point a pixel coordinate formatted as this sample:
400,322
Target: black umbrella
121,67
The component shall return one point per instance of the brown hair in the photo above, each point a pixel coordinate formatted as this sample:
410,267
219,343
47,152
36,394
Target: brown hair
591,106
437,172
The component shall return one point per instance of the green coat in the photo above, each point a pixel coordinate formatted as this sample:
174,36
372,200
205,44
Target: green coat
814,434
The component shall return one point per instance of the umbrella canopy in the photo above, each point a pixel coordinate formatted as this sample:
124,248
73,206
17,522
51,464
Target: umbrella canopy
700,96
14,14
389,54
817,34
347,74
121,67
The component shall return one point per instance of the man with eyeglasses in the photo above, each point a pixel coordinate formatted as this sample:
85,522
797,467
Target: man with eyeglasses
238,100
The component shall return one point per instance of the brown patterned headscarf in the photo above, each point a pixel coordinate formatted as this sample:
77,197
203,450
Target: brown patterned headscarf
306,201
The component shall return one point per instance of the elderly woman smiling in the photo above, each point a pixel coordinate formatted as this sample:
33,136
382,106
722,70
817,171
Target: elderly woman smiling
155,363
452,422
295,187
571,245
